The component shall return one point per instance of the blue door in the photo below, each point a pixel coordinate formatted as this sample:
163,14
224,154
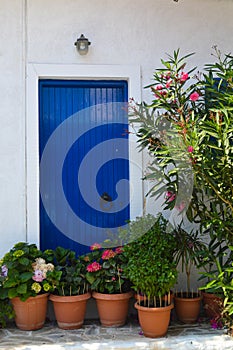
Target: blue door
84,167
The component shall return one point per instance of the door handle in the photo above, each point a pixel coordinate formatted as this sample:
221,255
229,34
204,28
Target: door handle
106,197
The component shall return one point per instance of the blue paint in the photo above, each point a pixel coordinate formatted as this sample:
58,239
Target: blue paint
59,99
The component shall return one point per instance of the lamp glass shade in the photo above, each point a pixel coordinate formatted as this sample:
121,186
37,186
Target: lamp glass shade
82,44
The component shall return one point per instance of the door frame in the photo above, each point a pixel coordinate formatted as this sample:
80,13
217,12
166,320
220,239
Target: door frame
35,71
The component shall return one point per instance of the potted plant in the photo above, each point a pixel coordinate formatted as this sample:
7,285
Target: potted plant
219,286
189,247
6,309
28,279
212,259
222,280
109,285
72,290
187,130
152,272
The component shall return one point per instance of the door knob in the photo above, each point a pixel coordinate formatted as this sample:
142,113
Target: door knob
106,197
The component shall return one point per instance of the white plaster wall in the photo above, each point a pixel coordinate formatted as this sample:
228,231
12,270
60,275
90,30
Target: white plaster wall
126,31
12,116
122,32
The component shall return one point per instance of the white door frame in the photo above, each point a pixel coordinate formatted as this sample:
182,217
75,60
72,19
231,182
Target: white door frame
35,71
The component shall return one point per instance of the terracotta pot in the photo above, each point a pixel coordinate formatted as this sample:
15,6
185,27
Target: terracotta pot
187,309
70,310
112,308
30,314
212,305
154,320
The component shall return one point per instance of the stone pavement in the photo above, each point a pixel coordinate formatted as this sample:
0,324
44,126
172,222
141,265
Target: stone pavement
94,337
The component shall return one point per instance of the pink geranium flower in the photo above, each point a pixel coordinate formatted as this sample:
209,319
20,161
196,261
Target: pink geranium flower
95,266
118,250
95,246
108,254
194,96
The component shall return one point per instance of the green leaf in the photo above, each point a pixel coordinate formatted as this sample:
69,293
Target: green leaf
90,277
26,276
22,289
12,293
24,261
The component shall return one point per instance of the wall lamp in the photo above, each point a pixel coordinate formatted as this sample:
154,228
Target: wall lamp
82,45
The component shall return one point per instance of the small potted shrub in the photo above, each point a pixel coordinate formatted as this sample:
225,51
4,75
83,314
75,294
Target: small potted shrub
72,290
152,272
110,287
188,252
28,278
221,280
213,262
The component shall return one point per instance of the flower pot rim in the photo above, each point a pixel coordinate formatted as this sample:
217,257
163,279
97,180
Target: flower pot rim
211,294
107,296
151,309
187,298
32,297
69,298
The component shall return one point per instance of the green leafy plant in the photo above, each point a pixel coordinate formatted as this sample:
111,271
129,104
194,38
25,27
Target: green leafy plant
6,308
106,270
220,282
71,273
189,252
150,265
26,272
188,132
6,312
215,252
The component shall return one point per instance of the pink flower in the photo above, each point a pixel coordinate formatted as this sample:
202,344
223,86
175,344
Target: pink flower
190,149
95,246
184,76
159,87
216,324
95,266
194,96
108,254
113,278
168,83
119,250
38,276
170,196
164,92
